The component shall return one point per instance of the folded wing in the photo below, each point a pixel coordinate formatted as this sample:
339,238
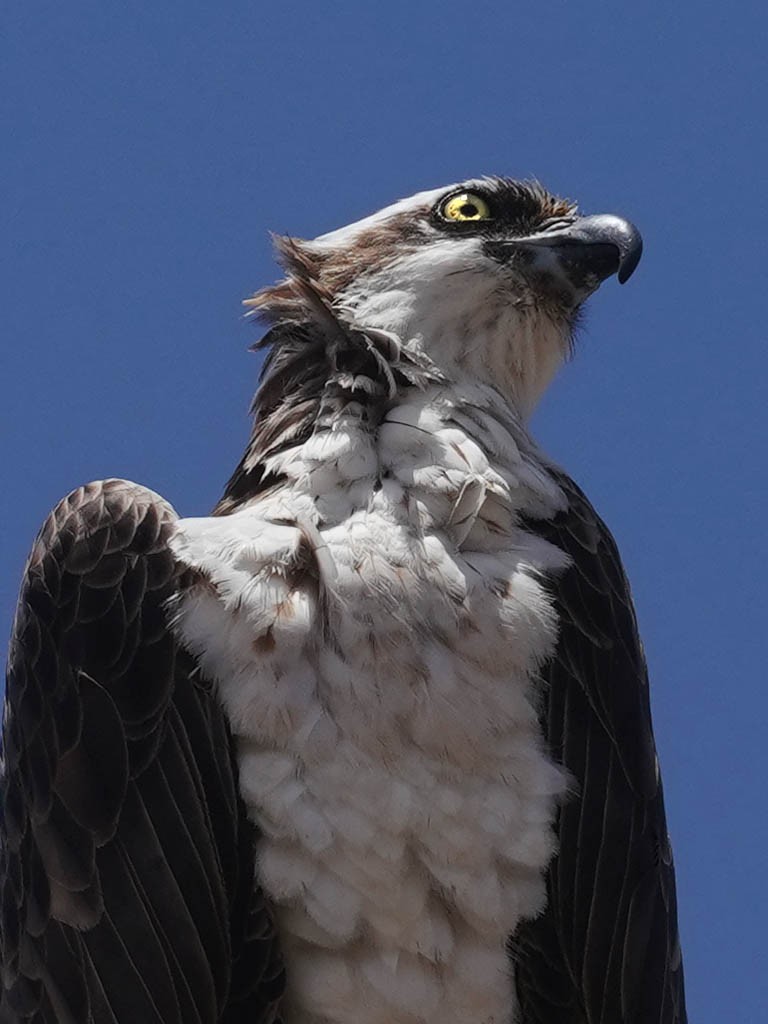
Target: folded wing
126,868
606,951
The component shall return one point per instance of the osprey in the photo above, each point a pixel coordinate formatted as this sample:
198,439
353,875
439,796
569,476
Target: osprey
371,744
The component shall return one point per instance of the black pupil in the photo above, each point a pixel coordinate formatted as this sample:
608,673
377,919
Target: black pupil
468,210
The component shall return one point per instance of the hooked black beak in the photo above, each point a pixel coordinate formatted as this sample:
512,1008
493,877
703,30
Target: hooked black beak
597,246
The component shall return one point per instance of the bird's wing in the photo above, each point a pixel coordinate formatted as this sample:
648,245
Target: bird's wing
606,949
126,867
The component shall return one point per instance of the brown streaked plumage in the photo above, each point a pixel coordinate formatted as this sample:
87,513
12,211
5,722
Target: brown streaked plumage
313,360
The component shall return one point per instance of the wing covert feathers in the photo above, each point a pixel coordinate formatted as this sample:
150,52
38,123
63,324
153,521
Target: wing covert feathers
606,950
127,862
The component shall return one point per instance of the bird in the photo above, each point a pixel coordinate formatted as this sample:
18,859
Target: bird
371,743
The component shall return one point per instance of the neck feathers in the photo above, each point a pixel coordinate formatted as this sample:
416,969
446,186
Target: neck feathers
375,340
318,361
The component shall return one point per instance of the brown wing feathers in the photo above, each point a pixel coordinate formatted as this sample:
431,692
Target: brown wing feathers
127,870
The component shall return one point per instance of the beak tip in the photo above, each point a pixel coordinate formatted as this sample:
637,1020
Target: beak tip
629,242
625,273
629,261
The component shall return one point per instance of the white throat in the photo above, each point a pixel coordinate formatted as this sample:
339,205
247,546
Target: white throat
466,318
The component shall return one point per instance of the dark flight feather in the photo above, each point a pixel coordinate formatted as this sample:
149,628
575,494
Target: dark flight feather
606,948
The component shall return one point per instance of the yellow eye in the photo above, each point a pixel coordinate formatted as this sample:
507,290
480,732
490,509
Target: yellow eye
465,206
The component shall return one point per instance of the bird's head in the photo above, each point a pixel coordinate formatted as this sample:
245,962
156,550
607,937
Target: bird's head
478,283
487,277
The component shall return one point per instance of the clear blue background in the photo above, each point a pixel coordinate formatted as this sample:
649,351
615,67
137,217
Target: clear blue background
148,148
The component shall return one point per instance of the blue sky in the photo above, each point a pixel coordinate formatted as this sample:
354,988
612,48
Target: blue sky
150,147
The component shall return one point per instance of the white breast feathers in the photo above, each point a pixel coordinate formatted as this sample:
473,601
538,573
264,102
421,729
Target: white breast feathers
375,626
